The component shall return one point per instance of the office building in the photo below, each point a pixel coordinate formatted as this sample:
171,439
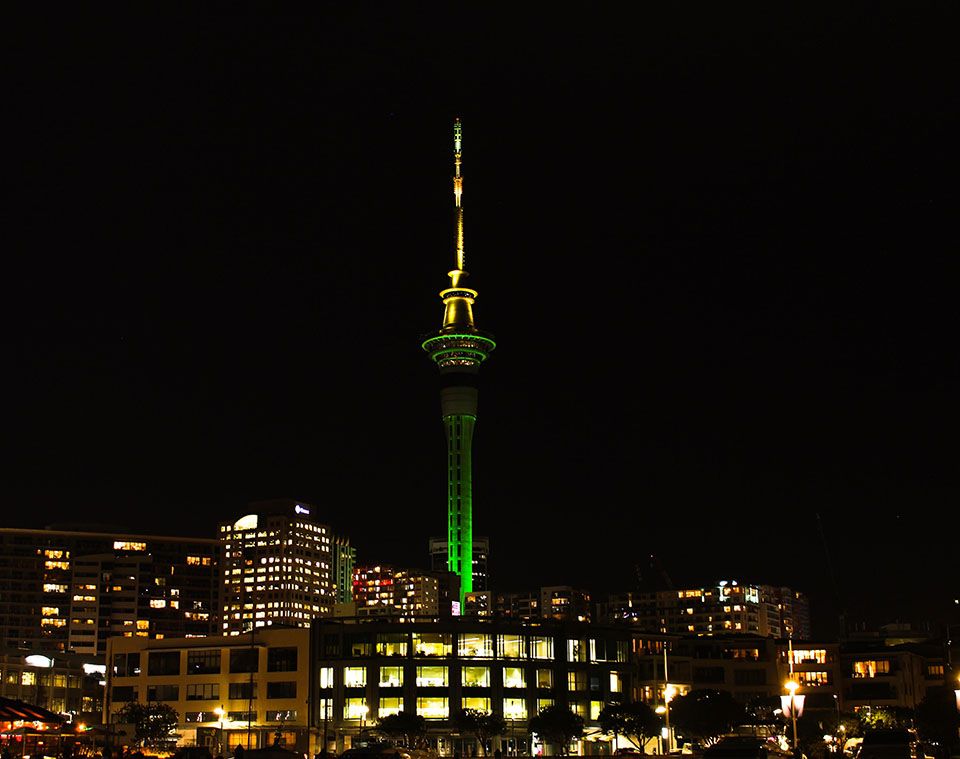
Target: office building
228,690
276,567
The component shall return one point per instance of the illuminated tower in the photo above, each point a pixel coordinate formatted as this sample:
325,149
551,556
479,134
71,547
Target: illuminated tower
458,349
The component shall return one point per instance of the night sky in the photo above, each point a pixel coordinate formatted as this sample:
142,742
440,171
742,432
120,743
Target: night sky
716,253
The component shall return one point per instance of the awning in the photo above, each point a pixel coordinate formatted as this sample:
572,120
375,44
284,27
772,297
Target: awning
12,710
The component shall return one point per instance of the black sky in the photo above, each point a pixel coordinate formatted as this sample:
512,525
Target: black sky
715,251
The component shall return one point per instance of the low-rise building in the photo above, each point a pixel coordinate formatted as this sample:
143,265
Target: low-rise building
229,690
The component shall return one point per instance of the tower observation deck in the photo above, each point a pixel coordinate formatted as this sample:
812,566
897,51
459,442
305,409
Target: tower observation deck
458,349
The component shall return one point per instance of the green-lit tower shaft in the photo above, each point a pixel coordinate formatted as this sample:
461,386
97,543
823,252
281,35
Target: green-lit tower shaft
458,349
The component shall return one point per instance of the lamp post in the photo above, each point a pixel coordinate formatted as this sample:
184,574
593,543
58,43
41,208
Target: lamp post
363,716
220,712
792,686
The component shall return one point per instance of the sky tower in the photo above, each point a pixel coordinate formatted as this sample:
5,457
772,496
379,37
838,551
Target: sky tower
458,349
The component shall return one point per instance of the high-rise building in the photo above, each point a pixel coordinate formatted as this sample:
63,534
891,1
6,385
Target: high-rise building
72,588
458,349
344,559
725,607
481,552
276,567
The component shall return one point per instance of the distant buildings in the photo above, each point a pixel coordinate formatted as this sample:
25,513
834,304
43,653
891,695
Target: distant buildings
726,607
480,556
384,591
72,589
276,567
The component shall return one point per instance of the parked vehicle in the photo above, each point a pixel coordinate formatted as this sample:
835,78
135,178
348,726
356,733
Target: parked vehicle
890,743
745,747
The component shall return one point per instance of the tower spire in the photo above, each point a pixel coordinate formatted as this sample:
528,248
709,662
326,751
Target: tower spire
458,200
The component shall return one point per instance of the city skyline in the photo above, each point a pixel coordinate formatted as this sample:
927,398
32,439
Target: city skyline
715,252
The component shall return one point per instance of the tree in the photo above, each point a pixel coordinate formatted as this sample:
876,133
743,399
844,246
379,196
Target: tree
152,723
410,727
483,725
937,716
705,714
880,717
557,725
637,722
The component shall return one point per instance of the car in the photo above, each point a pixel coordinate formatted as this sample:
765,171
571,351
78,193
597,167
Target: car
745,747
890,743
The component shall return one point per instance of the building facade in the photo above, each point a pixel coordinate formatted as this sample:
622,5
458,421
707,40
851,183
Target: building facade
228,690
383,591
276,567
70,589
365,671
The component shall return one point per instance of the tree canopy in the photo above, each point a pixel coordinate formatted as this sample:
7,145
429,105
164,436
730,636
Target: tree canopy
637,722
409,727
705,714
151,722
483,725
557,725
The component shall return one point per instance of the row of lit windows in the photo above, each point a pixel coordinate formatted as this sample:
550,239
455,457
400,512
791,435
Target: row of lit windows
470,677
435,707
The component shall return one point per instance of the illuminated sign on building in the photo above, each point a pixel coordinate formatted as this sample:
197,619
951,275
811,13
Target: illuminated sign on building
301,509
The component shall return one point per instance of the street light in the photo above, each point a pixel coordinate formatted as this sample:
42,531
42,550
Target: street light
219,711
363,716
794,703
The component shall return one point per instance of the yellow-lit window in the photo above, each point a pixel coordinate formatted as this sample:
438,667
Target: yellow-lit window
595,707
475,645
477,703
56,564
354,677
143,624
193,561
543,703
55,554
616,683
871,668
390,706
129,545
544,678
476,677
432,707
355,708
511,646
513,677
432,677
157,603
50,611
28,678
804,656
541,647
391,677
325,676
515,708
